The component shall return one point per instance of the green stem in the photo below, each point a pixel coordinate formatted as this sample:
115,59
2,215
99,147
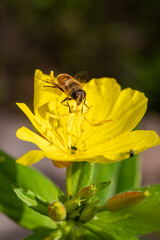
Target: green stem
69,180
102,208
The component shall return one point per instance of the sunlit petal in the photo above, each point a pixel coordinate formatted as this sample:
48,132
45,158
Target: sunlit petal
42,93
101,95
119,148
25,134
31,157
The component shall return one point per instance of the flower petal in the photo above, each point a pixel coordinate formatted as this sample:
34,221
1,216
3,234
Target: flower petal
37,123
126,113
41,125
43,94
25,134
31,157
129,109
101,94
50,151
119,148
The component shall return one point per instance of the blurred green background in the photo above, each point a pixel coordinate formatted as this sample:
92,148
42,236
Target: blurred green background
118,39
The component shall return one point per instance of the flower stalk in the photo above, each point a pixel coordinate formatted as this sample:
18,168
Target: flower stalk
69,181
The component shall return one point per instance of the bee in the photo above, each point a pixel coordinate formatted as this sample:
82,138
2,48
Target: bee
71,86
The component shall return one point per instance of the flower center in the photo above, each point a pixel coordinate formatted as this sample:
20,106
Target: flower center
73,130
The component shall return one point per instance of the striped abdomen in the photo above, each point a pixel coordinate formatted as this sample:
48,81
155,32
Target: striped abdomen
68,84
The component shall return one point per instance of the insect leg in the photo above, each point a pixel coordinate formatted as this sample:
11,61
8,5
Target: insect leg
65,100
67,104
53,85
85,103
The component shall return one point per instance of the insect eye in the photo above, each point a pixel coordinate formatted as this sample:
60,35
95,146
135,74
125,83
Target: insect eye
83,94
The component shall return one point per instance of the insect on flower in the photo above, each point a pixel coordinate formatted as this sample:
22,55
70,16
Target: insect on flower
103,132
71,86
131,153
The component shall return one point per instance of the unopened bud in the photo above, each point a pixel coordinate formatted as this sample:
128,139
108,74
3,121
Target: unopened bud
72,204
88,212
57,211
87,192
125,200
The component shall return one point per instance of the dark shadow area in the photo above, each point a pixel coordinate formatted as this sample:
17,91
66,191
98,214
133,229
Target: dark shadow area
106,38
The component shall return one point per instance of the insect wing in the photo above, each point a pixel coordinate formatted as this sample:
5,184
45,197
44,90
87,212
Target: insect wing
81,76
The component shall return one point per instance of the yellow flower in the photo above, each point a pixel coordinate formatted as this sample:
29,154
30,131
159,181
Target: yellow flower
100,133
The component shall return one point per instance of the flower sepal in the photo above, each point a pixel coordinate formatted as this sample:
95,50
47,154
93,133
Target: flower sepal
88,212
92,190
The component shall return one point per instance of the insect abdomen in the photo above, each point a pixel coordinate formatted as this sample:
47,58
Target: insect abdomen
68,84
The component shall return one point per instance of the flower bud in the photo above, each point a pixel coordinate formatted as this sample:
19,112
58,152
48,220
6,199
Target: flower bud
87,192
125,200
57,211
88,212
72,204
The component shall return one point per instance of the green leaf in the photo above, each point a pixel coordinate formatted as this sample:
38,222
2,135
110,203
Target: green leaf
31,199
125,175
141,219
108,231
64,232
82,174
61,196
106,172
101,187
19,212
39,235
27,178
129,175
83,233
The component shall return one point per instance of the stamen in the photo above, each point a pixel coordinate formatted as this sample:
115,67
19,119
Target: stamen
51,74
97,122
56,116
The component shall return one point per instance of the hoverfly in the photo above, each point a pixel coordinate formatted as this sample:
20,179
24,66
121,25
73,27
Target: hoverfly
71,86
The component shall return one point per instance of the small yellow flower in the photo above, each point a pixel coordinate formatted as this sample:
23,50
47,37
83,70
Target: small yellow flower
101,133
